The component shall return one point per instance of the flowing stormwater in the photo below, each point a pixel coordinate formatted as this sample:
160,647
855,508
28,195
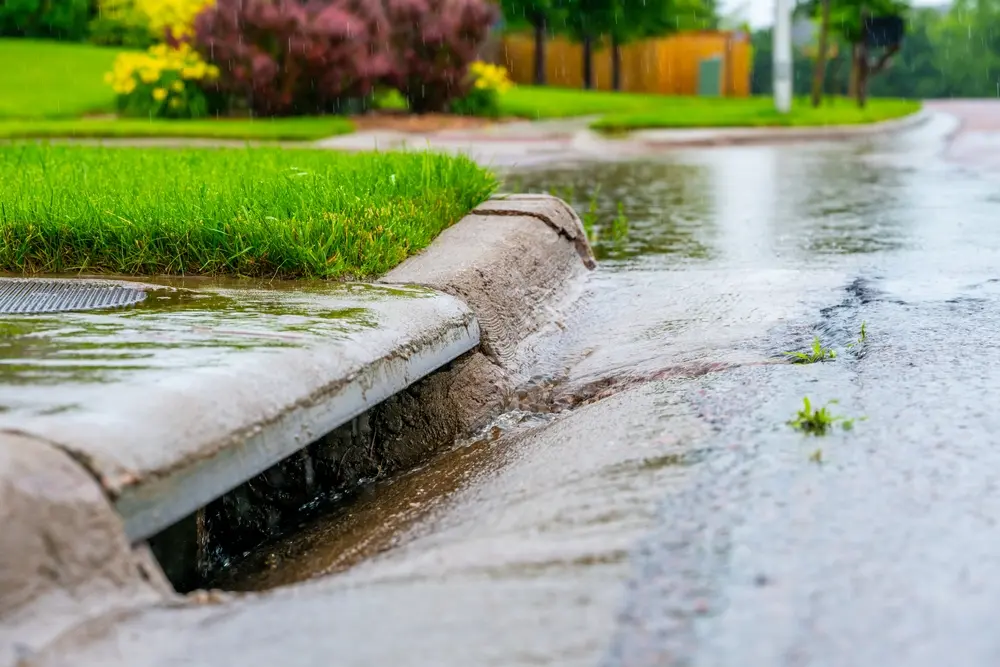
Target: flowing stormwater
646,504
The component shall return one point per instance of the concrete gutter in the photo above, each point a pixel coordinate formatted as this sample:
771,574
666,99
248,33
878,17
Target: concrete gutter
204,385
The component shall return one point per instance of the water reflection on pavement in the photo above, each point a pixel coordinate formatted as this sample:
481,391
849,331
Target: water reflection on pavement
674,518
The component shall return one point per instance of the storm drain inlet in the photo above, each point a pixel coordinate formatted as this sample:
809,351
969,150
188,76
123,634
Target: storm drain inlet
25,296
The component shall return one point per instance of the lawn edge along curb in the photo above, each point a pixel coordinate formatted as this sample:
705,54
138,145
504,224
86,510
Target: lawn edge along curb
510,261
705,137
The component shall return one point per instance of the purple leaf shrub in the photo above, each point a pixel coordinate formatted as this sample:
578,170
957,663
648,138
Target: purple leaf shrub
286,57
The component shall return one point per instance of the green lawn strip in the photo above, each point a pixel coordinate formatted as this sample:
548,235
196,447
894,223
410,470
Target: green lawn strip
45,79
306,128
538,102
248,211
625,111
757,112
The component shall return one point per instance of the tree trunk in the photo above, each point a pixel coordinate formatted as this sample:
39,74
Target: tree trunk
616,64
540,35
862,75
819,74
852,80
588,62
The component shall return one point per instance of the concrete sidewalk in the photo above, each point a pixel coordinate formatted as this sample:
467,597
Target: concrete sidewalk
527,143
197,389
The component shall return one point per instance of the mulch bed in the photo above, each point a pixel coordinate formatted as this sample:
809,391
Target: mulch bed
431,122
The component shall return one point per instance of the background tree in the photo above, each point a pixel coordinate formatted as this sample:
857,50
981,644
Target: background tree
844,19
822,46
949,52
540,16
587,21
916,72
968,48
594,23
633,20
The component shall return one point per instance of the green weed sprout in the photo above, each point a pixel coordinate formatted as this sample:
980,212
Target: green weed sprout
817,353
818,421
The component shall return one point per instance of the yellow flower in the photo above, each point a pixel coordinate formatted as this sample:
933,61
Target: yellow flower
159,94
174,16
157,65
489,77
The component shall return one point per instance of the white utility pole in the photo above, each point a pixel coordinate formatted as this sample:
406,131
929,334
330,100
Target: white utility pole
782,49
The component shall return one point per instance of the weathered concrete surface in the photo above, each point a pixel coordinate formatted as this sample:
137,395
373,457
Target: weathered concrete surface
512,261
515,277
50,579
680,521
208,384
182,398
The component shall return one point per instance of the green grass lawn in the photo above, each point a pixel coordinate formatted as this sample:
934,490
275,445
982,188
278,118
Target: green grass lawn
247,211
537,102
305,128
41,79
629,111
52,84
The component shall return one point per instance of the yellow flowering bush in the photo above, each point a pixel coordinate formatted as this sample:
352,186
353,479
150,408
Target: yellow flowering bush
141,22
486,84
490,77
163,82
171,17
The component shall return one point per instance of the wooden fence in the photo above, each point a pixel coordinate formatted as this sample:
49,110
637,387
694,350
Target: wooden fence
675,65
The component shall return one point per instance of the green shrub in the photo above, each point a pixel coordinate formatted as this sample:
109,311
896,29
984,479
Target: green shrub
59,19
111,32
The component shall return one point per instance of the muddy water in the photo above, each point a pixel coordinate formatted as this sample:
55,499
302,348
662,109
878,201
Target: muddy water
652,508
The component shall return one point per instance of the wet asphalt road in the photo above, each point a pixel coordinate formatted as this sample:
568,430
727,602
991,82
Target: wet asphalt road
674,518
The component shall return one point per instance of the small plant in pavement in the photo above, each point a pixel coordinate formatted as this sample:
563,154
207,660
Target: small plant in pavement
862,337
619,226
817,353
590,217
818,421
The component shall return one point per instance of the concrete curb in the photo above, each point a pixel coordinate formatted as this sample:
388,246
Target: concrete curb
509,260
64,557
166,440
162,450
753,136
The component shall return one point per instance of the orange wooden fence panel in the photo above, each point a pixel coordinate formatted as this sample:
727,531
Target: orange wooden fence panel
668,66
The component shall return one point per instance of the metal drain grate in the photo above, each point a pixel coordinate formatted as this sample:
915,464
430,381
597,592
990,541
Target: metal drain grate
20,296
